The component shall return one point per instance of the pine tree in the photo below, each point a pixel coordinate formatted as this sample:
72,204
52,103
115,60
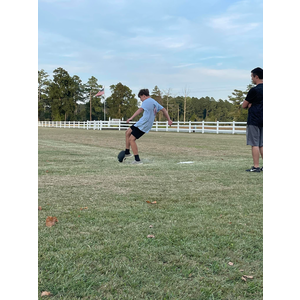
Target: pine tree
239,114
157,96
61,95
43,101
91,88
122,102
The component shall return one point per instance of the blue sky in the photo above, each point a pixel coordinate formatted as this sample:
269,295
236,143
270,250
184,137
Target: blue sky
208,47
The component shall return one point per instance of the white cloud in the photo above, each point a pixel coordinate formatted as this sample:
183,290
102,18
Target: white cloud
185,65
232,24
141,30
238,18
163,42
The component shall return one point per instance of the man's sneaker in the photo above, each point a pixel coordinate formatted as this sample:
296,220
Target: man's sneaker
137,162
261,168
128,155
253,169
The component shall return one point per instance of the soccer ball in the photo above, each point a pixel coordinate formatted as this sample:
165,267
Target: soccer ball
121,156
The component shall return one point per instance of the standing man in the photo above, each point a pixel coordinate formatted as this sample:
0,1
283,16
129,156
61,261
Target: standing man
254,133
150,108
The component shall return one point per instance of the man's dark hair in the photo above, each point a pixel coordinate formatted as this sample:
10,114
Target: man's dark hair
144,92
258,72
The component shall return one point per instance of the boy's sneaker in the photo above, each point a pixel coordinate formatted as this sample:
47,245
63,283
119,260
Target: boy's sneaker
253,169
137,162
128,155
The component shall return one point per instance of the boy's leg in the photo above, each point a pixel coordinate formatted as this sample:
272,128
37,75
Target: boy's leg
134,134
133,144
127,136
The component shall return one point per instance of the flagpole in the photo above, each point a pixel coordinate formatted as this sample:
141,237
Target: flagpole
104,103
90,105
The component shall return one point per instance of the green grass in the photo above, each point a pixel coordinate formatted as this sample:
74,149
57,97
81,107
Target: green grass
207,214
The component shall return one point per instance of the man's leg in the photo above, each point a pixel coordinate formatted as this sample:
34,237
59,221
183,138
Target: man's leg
261,154
255,156
261,151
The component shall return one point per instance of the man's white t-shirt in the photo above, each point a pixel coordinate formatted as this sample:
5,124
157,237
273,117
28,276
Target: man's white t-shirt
151,108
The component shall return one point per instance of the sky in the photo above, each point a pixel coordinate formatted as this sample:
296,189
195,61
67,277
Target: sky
207,48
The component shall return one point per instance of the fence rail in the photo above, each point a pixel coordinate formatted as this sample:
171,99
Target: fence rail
202,127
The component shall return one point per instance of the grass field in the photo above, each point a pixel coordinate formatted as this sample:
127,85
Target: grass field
208,213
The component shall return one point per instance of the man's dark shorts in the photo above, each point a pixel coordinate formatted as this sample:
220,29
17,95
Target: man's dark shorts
254,135
136,132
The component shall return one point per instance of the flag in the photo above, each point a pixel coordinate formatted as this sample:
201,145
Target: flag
101,92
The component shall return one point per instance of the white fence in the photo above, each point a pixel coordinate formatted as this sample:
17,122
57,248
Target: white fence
202,127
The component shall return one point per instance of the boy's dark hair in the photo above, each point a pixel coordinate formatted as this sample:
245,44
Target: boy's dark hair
258,72
144,92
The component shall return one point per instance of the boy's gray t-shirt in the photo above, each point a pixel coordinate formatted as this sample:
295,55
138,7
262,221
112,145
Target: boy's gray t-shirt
151,108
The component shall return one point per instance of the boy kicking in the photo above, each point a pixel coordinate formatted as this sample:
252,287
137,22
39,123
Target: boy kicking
150,108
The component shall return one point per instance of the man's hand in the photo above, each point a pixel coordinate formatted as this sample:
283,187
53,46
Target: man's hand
128,120
170,122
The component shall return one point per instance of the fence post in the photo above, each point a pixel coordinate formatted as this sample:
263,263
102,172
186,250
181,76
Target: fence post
202,126
119,124
167,126
190,126
217,127
233,127
156,126
177,126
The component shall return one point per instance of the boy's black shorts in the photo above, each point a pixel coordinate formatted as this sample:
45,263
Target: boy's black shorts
136,132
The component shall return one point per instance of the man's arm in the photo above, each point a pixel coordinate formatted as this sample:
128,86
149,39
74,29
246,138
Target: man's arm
246,104
165,112
249,99
140,110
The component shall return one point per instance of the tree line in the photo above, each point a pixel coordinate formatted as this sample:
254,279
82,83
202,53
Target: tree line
67,98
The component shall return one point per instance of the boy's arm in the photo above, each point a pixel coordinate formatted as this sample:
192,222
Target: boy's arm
165,112
140,110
